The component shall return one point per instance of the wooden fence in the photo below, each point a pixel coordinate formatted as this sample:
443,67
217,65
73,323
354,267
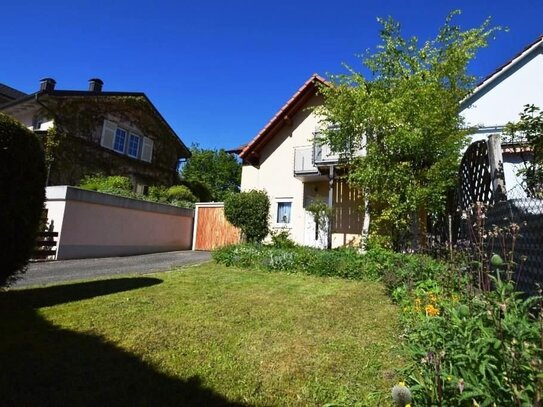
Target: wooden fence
45,246
211,229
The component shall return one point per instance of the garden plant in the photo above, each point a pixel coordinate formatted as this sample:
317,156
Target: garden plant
22,186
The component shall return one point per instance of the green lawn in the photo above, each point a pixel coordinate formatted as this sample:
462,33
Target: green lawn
205,335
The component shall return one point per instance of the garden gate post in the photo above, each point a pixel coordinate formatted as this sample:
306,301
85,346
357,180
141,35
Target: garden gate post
495,160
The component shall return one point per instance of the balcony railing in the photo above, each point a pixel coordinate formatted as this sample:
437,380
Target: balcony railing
307,159
303,160
323,154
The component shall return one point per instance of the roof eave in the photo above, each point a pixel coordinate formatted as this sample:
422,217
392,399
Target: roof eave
504,68
306,91
183,149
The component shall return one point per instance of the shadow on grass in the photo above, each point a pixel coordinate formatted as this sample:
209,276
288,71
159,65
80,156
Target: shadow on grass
42,364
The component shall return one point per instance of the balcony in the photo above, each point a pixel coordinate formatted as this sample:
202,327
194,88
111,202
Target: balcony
324,155
303,161
309,160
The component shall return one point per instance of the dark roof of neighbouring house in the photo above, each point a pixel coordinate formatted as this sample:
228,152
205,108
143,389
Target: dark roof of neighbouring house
7,93
236,150
289,109
83,93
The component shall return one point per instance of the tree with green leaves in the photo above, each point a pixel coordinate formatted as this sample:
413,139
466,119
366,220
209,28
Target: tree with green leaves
218,170
528,131
405,115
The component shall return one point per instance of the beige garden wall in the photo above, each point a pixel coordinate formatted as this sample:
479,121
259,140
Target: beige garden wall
92,224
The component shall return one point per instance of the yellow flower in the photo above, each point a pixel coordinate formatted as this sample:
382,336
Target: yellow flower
418,303
432,297
455,298
431,310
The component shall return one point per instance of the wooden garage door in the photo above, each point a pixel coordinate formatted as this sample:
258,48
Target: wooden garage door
212,229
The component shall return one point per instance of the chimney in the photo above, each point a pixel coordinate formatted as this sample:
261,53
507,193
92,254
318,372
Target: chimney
47,85
95,85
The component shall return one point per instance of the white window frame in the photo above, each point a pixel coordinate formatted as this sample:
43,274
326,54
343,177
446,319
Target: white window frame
109,136
279,201
128,145
123,151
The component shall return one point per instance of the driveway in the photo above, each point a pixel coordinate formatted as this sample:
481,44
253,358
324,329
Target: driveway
83,269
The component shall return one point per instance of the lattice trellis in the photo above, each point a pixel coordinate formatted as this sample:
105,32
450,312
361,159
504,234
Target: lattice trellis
475,177
502,215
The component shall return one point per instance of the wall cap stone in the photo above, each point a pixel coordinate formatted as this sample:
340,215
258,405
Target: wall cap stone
68,193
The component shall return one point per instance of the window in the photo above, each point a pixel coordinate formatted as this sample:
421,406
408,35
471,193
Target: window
37,122
120,139
133,145
283,212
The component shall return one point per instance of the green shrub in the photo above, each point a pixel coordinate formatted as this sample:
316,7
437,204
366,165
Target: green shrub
156,194
344,262
200,190
395,269
321,213
282,240
242,255
465,348
249,211
22,186
115,185
179,193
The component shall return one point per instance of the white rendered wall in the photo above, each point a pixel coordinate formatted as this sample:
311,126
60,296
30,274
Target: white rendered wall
275,174
91,224
501,102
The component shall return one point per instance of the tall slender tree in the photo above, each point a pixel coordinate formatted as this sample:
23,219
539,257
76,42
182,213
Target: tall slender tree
403,110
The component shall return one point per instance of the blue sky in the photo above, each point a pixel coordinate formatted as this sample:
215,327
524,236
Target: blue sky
219,70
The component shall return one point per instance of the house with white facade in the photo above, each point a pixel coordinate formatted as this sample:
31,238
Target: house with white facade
285,160
500,97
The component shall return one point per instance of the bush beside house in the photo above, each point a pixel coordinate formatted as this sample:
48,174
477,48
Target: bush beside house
250,212
22,186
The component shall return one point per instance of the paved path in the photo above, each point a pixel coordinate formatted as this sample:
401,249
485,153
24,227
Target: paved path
66,270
